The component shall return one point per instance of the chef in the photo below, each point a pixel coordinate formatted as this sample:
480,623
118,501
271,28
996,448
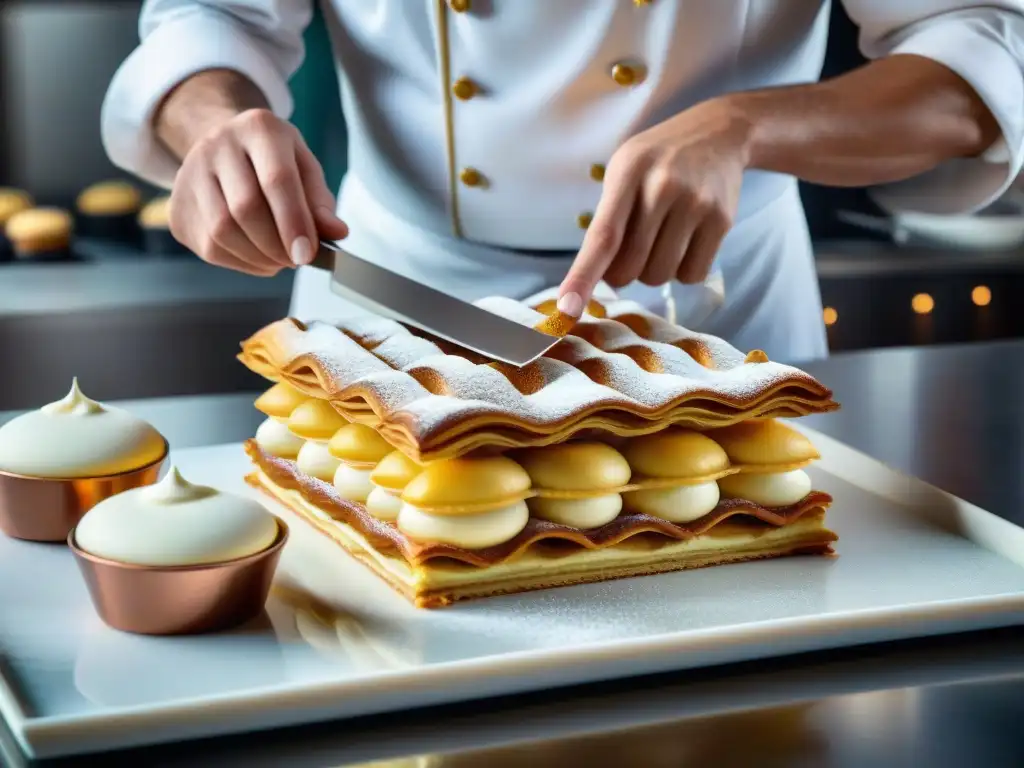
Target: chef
506,146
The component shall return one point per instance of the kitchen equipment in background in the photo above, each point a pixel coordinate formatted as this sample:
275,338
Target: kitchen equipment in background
1000,226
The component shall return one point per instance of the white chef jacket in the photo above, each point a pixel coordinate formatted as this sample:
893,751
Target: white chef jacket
478,129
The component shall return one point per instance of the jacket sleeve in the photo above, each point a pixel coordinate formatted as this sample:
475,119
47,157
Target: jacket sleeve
261,39
981,41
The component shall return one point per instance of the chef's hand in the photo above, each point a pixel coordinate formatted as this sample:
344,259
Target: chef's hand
251,196
670,195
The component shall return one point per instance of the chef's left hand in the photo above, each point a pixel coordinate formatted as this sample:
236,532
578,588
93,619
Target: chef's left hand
670,195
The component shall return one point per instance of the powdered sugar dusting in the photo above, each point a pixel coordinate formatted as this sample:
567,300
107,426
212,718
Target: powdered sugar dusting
632,361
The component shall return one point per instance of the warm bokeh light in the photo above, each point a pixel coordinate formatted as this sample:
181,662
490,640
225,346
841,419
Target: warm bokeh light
981,295
922,303
831,316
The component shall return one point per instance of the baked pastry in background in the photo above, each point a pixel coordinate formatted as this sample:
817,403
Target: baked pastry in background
40,234
108,211
12,201
634,447
154,222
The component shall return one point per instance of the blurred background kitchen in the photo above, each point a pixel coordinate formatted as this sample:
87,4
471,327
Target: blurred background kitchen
116,304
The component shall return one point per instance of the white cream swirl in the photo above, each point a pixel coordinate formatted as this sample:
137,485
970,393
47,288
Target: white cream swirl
352,483
383,504
679,504
774,489
578,513
78,437
316,461
274,437
472,531
175,522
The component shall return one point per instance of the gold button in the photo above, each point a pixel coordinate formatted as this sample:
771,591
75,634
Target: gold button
640,3
627,74
464,88
597,172
470,177
584,219
459,6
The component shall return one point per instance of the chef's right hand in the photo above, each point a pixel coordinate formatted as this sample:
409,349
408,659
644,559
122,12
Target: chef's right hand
251,196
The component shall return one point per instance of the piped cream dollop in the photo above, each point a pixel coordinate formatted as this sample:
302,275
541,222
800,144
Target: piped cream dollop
769,489
78,437
353,483
472,531
316,461
274,437
681,504
578,513
384,504
175,522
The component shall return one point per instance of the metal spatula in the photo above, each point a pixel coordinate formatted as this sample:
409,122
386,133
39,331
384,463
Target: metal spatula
389,294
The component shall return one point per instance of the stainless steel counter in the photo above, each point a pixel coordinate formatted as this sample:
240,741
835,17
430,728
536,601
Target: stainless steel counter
953,416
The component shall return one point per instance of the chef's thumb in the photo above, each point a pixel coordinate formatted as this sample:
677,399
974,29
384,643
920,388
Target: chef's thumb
321,202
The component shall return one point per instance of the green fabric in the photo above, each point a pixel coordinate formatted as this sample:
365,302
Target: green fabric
317,102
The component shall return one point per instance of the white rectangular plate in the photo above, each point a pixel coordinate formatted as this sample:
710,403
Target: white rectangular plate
337,642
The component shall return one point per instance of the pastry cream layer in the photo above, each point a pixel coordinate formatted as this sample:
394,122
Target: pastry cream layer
78,437
316,461
274,437
315,420
681,504
472,531
175,523
280,400
776,489
383,504
581,466
536,562
586,513
468,486
353,483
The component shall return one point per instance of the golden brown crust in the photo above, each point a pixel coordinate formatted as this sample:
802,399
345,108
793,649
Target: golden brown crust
816,540
387,537
432,403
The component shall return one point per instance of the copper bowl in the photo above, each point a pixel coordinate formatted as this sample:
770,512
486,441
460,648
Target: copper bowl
48,508
180,599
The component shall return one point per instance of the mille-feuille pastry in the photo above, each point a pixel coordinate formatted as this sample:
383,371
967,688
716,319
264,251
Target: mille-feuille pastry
359,449
155,223
315,422
629,373
108,211
40,234
12,201
273,435
490,491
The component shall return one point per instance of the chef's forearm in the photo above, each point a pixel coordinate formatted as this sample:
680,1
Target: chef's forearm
889,120
201,104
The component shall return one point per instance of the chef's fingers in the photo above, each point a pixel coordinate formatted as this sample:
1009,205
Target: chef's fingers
704,245
228,260
273,156
247,203
220,233
670,246
657,195
321,202
602,240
